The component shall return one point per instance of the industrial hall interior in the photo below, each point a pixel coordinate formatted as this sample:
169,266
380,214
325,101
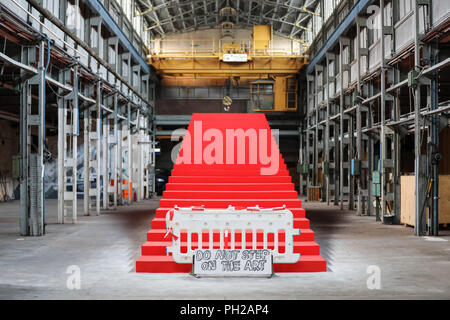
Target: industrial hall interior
275,149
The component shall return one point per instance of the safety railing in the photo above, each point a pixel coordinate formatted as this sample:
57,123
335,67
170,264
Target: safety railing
185,48
231,224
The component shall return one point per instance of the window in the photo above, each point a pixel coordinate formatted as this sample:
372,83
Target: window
145,34
328,8
262,95
74,20
404,8
317,22
94,37
309,35
331,68
345,55
343,14
52,6
126,30
125,68
291,93
127,7
374,26
363,38
319,79
137,22
111,55
114,14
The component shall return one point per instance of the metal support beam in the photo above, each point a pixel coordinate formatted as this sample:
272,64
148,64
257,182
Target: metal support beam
32,197
420,185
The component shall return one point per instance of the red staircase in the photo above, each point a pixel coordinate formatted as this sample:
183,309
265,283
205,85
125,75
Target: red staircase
223,184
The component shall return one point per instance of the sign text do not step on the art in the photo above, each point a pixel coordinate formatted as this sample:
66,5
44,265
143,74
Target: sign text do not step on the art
233,262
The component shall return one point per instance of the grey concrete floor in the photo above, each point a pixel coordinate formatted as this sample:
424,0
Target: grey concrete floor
106,247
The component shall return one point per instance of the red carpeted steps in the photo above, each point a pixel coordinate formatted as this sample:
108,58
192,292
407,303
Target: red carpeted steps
235,173
302,223
259,194
230,179
221,185
229,186
224,203
297,212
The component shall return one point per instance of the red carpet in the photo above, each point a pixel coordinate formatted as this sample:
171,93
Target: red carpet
216,174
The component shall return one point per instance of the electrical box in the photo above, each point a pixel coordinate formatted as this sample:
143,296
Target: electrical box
356,167
376,190
325,167
412,78
302,168
15,167
355,97
376,184
376,177
305,168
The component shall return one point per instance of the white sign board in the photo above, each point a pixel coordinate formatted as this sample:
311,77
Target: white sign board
233,262
234,57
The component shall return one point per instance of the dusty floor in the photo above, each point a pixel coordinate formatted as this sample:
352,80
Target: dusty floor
105,247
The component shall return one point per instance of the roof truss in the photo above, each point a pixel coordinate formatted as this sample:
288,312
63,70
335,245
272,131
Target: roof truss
288,17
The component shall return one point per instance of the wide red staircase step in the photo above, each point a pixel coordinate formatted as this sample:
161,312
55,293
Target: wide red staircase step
236,174
269,194
297,212
229,179
229,186
224,203
217,186
160,223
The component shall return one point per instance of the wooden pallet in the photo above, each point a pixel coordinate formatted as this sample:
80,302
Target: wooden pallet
407,215
314,193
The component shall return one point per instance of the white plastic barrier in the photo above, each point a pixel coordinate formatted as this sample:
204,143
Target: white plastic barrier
198,220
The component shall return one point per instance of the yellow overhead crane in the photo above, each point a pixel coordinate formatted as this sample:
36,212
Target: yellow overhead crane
269,67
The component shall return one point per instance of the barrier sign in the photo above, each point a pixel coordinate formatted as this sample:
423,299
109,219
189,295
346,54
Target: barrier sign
232,262
234,57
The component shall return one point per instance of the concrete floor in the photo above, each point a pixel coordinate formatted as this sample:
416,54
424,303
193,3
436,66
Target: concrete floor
106,247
